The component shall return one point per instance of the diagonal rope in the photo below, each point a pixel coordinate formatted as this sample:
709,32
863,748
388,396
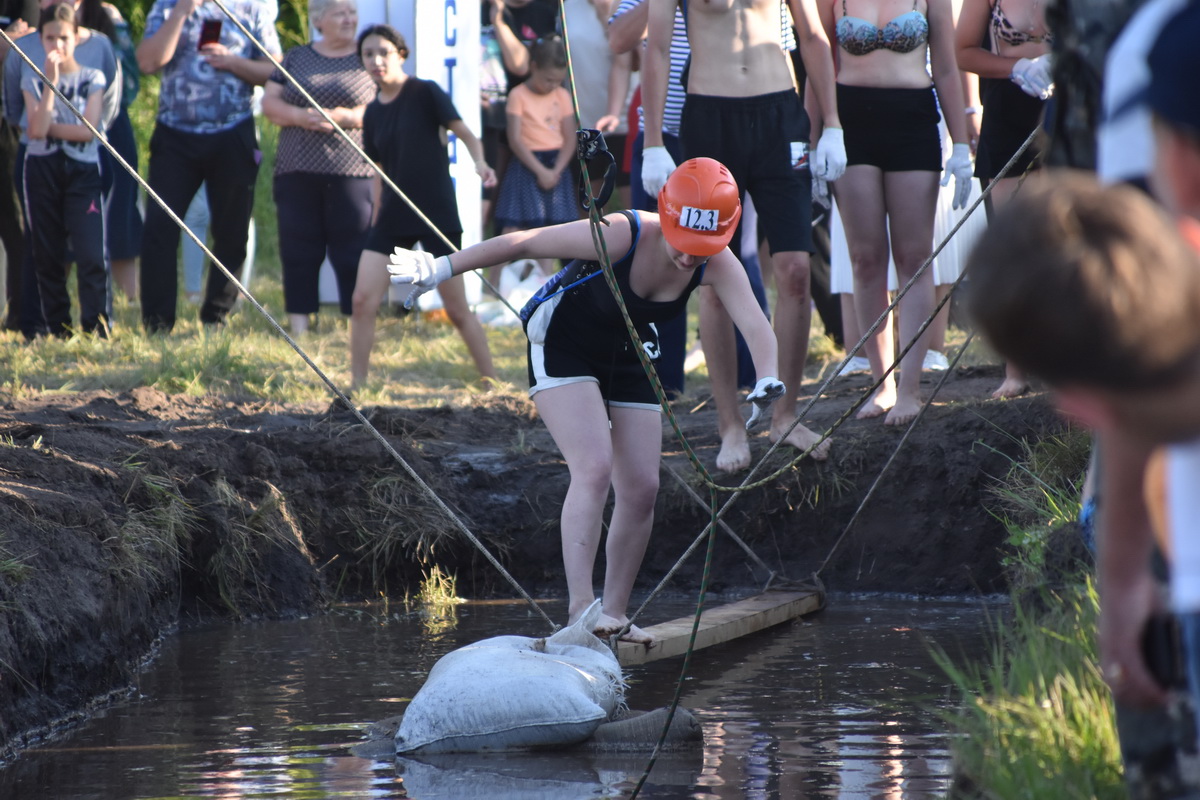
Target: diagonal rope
887,465
345,400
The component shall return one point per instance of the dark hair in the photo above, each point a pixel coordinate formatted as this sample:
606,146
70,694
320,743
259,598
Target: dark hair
548,53
1087,285
91,14
63,12
386,32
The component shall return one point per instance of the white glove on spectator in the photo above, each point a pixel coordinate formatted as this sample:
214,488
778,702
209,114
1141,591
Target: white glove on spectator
1034,76
418,269
959,168
657,166
766,392
830,161
820,192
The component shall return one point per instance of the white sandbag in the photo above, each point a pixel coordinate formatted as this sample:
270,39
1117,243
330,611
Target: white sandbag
513,692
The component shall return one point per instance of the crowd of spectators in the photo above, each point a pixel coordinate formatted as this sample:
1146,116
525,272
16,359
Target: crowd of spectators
889,73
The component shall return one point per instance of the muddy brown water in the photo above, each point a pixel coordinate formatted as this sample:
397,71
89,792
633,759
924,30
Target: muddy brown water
842,704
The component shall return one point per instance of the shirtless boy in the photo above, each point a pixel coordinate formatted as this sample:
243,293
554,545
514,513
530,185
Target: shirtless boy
743,109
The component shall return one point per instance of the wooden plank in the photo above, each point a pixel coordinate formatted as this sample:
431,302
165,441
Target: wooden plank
721,624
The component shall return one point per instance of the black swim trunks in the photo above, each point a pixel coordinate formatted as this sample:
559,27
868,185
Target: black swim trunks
763,140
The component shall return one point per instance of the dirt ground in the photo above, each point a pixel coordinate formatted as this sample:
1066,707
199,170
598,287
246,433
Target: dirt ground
124,516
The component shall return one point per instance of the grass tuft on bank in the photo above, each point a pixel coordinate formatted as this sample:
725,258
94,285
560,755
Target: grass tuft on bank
1036,719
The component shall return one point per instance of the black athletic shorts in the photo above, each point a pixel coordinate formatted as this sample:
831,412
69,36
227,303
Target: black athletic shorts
893,129
380,241
1009,116
763,140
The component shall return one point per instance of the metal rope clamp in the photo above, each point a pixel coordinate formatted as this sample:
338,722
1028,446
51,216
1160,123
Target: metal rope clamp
590,147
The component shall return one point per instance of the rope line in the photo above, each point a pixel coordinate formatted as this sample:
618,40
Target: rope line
342,398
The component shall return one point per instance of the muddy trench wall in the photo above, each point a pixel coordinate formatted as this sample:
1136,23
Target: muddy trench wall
123,517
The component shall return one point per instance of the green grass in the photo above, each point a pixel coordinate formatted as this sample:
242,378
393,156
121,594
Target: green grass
1036,719
1040,493
13,568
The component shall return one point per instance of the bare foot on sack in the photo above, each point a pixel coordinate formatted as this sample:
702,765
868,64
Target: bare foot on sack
880,403
1012,387
904,412
735,450
802,438
608,627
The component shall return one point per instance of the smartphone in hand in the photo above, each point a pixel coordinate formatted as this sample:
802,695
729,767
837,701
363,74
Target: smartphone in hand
210,33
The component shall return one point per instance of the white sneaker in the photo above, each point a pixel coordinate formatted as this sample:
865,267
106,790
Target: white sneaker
935,361
855,364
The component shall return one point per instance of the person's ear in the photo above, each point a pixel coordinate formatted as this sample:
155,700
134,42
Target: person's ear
1085,406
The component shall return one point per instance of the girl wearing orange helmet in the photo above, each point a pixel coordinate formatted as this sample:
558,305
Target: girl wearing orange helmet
585,377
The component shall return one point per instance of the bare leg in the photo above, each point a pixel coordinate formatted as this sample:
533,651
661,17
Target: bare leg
912,202
793,317
860,196
369,287
850,330
941,323
1015,383
125,276
637,445
720,353
454,299
576,418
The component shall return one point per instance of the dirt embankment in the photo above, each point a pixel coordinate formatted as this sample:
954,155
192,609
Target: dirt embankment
122,516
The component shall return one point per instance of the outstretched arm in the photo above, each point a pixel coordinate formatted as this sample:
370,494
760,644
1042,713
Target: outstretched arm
567,241
728,279
422,272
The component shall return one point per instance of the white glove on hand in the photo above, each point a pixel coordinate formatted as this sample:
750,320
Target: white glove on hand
959,168
830,161
766,392
657,166
417,269
820,193
1034,76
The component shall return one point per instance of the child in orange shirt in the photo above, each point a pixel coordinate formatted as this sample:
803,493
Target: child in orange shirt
537,188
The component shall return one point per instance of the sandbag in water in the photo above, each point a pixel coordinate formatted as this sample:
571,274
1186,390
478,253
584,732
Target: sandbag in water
515,692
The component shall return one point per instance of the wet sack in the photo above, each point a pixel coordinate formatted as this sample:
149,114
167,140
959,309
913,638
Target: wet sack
515,692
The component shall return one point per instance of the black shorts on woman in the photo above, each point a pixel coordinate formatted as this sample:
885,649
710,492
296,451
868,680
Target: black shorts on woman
1009,116
577,333
893,129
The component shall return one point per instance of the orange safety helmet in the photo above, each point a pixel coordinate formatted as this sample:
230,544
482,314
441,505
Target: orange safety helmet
699,207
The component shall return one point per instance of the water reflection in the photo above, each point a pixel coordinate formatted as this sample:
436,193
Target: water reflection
842,706
557,776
